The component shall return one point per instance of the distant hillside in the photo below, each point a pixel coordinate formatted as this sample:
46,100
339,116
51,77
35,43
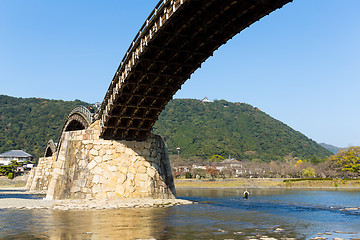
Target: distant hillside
223,128
331,148
199,129
28,123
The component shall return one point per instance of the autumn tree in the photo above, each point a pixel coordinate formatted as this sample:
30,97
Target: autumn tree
308,172
212,171
348,159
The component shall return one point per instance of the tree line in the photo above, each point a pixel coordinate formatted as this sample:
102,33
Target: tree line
28,123
203,129
199,129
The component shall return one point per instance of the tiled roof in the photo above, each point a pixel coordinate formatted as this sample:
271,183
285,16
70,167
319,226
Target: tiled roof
15,153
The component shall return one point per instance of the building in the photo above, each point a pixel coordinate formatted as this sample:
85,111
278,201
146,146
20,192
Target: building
14,155
205,99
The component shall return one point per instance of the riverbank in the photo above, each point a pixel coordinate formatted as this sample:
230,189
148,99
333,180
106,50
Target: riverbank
268,183
18,198
19,181
14,197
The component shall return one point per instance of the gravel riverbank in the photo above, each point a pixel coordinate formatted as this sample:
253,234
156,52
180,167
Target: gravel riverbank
18,198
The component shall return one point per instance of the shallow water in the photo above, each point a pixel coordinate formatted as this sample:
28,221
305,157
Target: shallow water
219,214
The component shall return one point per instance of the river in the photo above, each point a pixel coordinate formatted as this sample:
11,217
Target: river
218,214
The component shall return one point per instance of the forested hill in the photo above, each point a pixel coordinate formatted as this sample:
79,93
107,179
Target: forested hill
28,123
199,129
220,127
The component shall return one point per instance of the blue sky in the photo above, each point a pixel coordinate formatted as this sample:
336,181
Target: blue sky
300,64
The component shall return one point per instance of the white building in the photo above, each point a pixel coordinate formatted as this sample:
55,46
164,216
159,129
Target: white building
14,155
205,99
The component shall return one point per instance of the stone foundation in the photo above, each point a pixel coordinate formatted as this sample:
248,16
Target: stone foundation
87,167
40,176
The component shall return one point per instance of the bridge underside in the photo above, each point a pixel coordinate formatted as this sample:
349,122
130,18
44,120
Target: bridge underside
183,42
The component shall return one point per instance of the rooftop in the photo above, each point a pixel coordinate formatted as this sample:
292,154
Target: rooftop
15,153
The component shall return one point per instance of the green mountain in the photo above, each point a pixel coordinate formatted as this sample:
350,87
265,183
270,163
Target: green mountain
331,148
199,129
28,123
207,128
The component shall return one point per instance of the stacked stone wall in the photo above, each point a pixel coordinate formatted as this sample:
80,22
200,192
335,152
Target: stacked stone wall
40,175
88,167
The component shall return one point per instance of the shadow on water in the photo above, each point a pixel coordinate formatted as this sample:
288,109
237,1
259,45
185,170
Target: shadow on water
11,190
19,194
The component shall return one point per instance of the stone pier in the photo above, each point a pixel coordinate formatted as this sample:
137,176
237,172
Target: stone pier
87,167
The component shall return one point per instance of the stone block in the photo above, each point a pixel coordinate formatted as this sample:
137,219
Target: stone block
129,151
156,167
92,164
130,176
120,190
87,144
154,153
96,179
119,148
123,170
111,183
96,188
102,151
151,172
141,169
132,170
75,189
97,147
98,159
97,170
111,195
103,180
143,177
94,152
121,178
112,168
107,157
80,182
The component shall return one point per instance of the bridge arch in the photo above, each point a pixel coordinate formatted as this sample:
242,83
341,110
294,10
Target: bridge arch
78,119
177,37
50,148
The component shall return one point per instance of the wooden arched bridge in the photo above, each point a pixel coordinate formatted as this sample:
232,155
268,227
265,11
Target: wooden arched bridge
177,37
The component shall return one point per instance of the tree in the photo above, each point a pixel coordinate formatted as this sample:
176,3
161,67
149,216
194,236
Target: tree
212,171
348,159
308,172
216,158
11,168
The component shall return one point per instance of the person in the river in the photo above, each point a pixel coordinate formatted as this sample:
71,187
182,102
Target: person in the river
246,194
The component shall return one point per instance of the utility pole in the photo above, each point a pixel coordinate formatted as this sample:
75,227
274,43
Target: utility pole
178,149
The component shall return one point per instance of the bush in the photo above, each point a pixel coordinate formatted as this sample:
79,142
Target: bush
308,179
308,172
188,175
11,175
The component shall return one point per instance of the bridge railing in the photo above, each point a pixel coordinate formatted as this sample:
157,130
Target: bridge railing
83,110
161,13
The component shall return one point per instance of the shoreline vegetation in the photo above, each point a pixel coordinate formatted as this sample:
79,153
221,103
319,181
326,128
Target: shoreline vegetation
336,183
294,183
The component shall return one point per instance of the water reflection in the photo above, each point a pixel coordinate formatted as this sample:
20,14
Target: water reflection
113,224
107,224
220,214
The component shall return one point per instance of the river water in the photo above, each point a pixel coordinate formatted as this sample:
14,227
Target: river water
219,214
